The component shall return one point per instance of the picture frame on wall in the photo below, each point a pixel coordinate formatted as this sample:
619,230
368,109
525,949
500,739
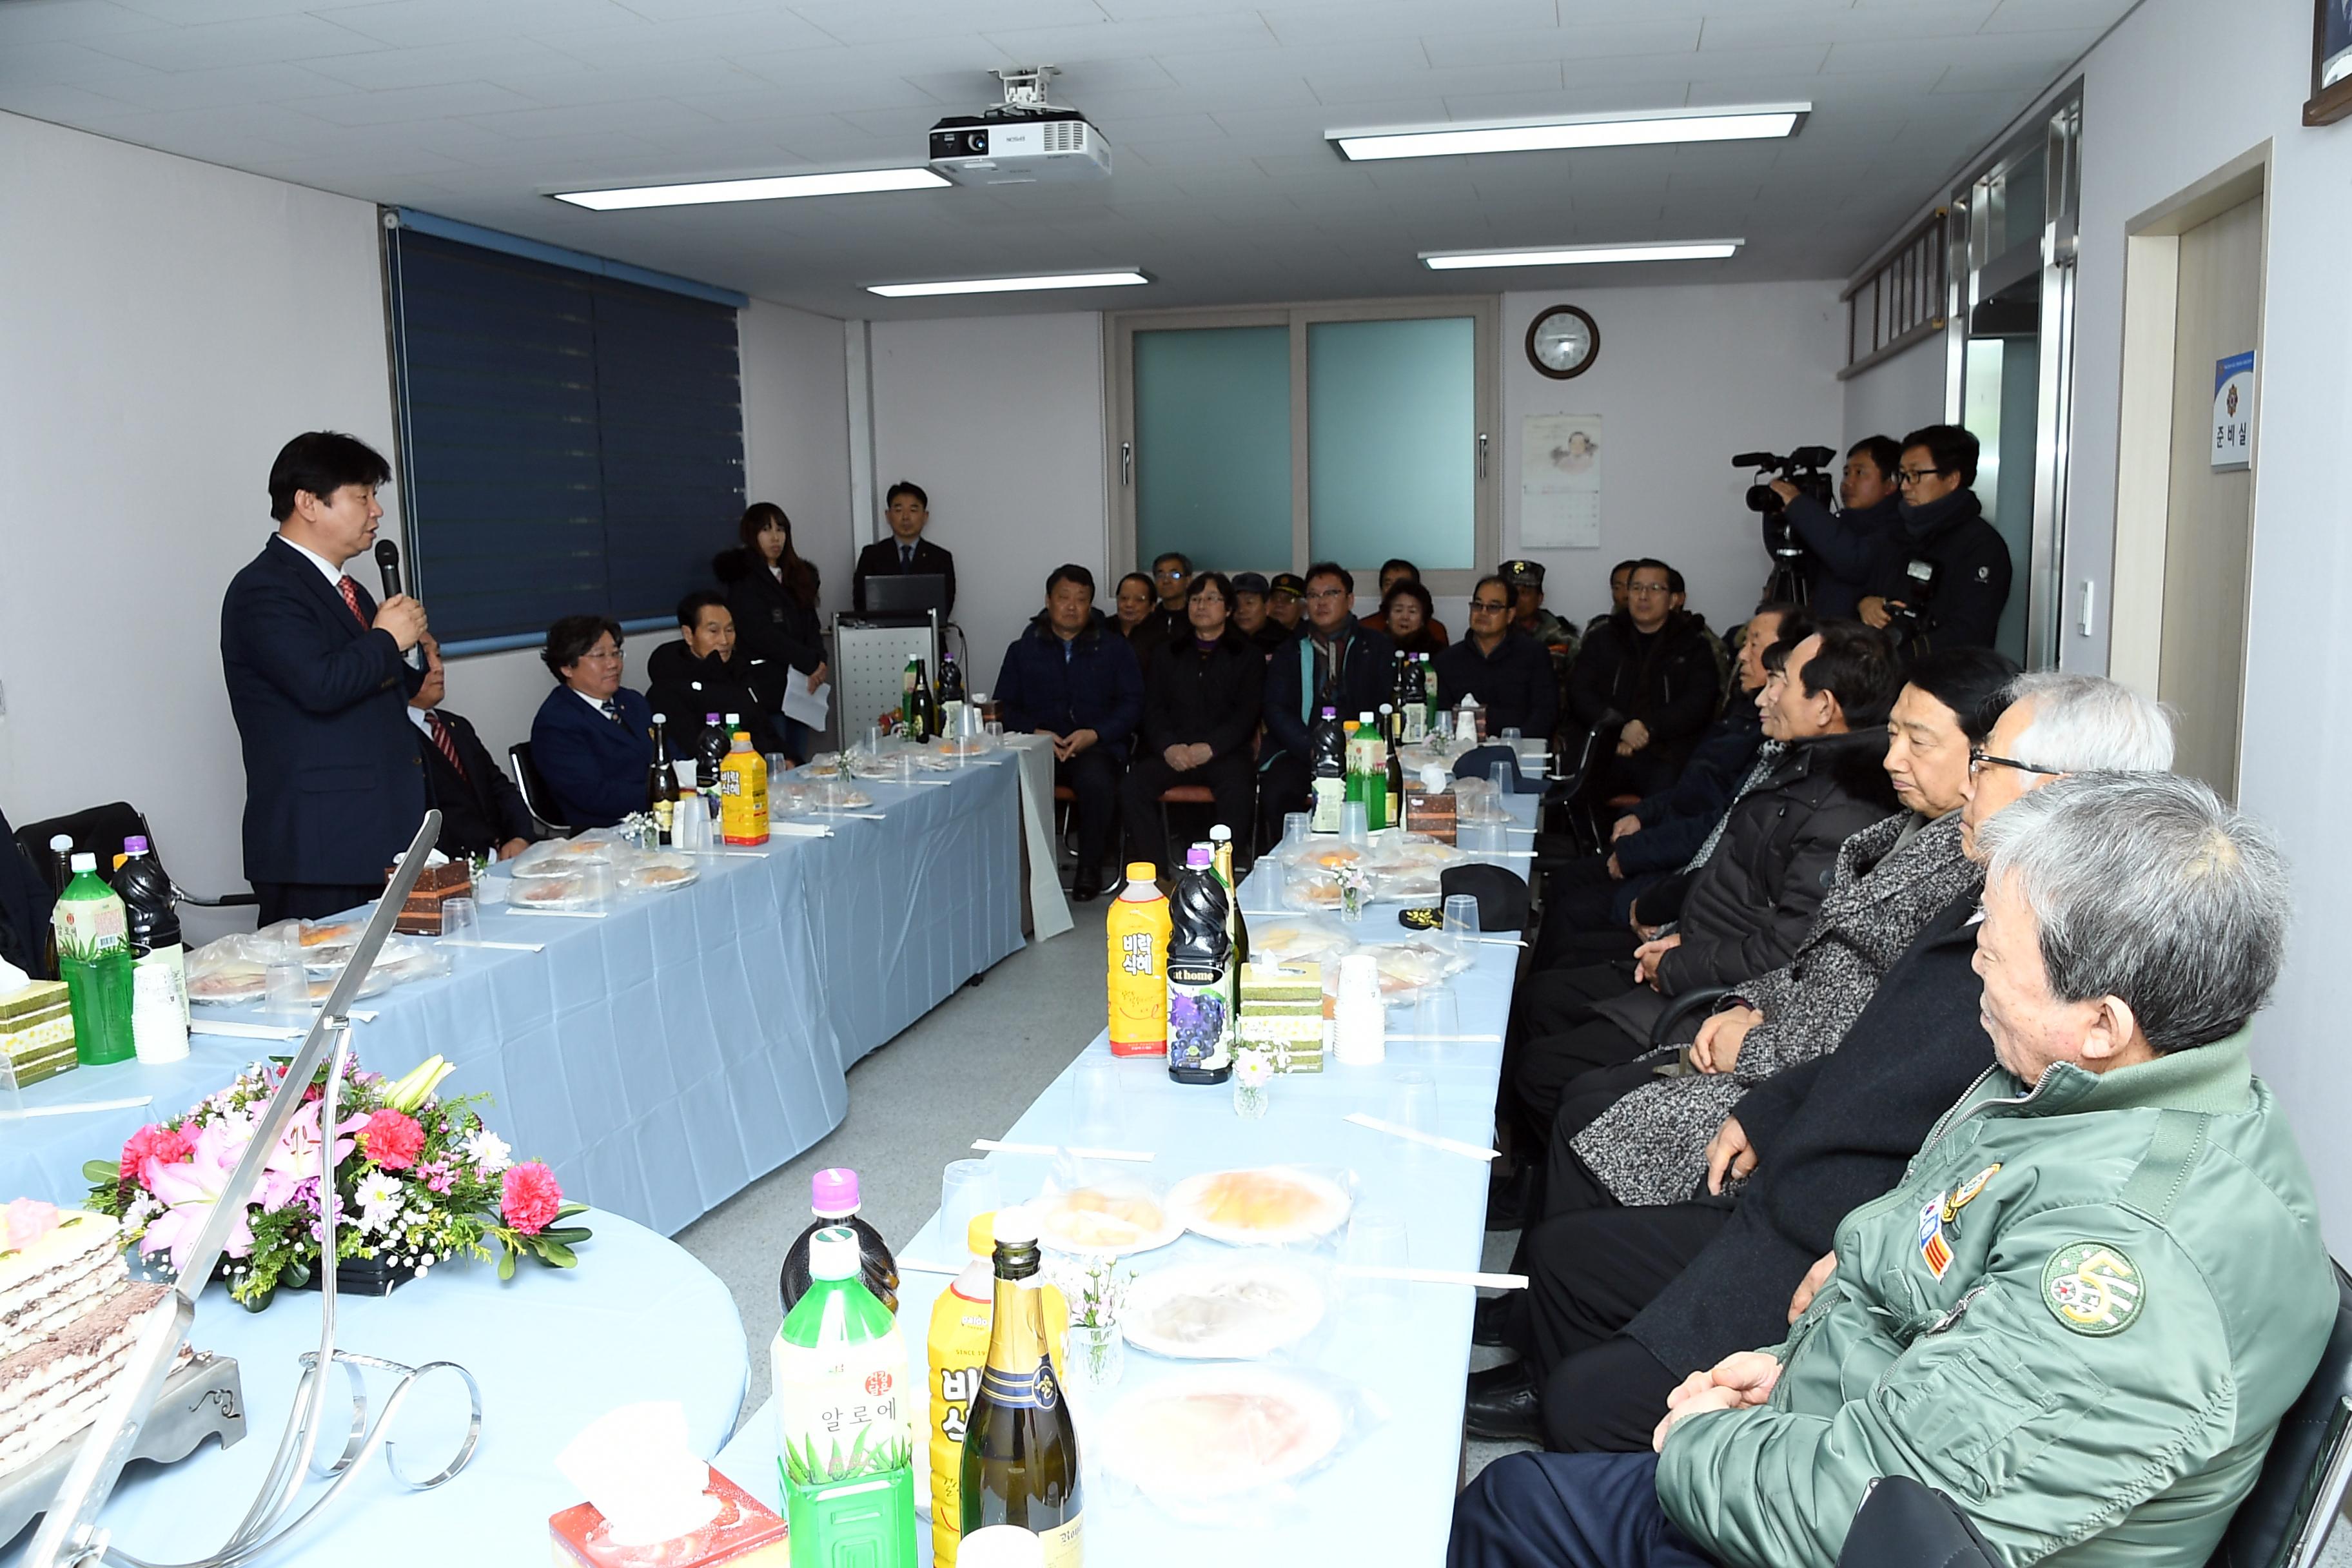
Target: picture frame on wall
2331,63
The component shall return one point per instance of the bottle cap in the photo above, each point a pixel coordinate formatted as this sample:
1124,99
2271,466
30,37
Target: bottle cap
1330,712
1199,858
1363,718
734,720
833,1192
134,845
1221,834
661,718
1142,871
1001,1546
833,1254
1015,1226
84,861
710,718
61,841
980,1235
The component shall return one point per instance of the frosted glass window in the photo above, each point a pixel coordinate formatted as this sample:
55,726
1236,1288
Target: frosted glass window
1213,447
1391,442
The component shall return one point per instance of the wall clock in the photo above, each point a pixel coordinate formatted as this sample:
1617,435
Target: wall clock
1562,342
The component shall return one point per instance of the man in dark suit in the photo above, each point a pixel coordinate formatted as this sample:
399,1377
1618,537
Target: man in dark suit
481,810
333,784
591,739
906,553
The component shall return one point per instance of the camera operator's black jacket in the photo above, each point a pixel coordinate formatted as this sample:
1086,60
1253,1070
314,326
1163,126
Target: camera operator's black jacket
1668,680
1852,550
1962,608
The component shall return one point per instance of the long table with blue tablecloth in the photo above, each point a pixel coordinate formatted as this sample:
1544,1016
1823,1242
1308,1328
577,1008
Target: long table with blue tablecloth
1387,1498
664,1057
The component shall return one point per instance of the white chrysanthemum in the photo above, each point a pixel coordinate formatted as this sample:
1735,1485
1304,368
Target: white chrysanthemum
488,1150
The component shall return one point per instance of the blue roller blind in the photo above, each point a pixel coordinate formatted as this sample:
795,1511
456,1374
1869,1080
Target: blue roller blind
572,442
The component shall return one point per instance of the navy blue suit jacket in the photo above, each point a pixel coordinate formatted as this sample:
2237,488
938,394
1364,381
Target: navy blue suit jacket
334,788
596,768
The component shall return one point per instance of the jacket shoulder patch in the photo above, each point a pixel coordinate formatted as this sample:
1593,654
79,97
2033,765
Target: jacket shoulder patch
2092,1288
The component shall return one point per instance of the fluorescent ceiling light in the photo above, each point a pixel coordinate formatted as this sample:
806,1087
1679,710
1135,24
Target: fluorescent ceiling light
1582,254
848,182
1742,124
1124,278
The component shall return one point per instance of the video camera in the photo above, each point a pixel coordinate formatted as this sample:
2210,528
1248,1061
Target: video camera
1807,468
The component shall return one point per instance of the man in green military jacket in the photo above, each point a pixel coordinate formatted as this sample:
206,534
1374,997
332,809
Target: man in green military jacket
2099,1286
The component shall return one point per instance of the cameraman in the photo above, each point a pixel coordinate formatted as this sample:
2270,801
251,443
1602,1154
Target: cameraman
1851,546
1946,580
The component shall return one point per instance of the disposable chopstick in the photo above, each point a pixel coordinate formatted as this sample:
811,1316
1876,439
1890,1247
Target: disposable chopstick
501,946
934,783
555,914
800,830
79,1106
1451,1145
869,816
735,854
923,1266
1493,941
233,1030
1473,1039
1433,1276
1501,854
994,1146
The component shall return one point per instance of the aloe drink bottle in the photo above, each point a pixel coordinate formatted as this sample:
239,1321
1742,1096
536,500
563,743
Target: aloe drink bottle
843,1399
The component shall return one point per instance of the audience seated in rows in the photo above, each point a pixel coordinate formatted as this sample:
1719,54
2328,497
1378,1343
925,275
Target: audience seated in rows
592,740
771,592
2088,1297
1644,687
1337,664
1071,677
1201,701
1507,671
706,672
1429,633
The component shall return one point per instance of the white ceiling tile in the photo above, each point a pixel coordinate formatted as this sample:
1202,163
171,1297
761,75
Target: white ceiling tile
1562,43
2022,52
686,83
703,41
442,64
1892,24
1695,65
56,101
188,13
397,106
2058,16
1320,24
1102,39
1346,89
411,24
66,21
884,21
219,45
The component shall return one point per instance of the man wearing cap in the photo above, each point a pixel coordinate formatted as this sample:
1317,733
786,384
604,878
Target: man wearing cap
1500,666
1529,617
1250,616
1285,602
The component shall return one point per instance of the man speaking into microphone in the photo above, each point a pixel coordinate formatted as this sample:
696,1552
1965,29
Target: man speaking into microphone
319,683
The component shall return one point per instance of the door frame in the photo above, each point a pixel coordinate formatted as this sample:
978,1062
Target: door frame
2144,412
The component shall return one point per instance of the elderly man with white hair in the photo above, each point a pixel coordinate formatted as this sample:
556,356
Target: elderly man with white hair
2097,1287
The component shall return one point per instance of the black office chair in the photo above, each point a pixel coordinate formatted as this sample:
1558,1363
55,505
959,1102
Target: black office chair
101,830
535,792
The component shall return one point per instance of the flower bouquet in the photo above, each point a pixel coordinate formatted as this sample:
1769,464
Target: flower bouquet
418,1180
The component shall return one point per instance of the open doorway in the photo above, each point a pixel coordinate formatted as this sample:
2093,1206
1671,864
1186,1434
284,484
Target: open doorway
2185,484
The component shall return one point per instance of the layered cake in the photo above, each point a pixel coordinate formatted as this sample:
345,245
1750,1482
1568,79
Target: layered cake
68,1316
1283,1010
36,1033
420,912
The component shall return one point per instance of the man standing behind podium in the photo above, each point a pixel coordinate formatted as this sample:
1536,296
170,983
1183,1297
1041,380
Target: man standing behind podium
334,787
906,553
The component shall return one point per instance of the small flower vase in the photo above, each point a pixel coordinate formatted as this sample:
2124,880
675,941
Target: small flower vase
1249,1099
1351,903
1093,1358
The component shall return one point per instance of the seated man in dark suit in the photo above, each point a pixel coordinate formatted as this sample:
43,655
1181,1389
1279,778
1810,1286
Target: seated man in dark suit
1337,663
1070,676
1507,671
906,553
592,738
482,813
334,788
702,673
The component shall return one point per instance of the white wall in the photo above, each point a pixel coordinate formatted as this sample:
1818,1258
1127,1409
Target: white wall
164,327
999,419
1685,377
2168,98
1898,395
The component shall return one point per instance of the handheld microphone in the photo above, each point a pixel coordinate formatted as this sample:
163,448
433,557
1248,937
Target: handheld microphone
387,565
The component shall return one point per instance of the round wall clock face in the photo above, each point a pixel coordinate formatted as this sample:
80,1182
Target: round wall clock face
1563,342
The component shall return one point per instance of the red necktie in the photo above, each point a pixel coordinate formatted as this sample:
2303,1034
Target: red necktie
442,740
351,597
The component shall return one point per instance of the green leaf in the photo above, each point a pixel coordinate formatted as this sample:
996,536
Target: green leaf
857,1450
836,1467
567,1210
101,1172
556,1254
297,1274
506,1262
567,1235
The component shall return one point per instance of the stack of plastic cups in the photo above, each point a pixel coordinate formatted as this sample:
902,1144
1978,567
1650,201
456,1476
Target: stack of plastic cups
1360,1023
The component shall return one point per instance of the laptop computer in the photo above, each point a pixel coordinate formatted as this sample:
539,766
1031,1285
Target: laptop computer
910,594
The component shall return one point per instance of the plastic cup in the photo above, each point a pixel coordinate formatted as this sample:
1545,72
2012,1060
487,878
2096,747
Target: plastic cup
490,892
1412,1105
873,741
1461,920
1296,826
1481,838
1098,1110
459,923
779,765
1355,825
285,989
596,884
1437,1016
1377,1239
993,730
1511,737
968,1189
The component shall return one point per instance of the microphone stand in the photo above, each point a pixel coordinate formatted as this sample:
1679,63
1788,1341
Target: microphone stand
70,1535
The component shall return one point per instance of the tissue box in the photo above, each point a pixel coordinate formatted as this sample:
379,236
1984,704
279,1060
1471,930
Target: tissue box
36,1033
744,1535
1282,982
1430,814
420,912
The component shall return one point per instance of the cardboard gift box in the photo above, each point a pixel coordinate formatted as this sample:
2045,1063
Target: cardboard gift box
1430,814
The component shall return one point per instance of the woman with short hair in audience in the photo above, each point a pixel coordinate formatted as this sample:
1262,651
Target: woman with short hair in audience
1409,614
592,740
1201,693
771,594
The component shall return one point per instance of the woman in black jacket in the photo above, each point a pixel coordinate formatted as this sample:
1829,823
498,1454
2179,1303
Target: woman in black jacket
1201,694
772,593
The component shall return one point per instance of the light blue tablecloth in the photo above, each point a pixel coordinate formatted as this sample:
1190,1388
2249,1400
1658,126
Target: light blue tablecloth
552,1350
1389,1498
664,1058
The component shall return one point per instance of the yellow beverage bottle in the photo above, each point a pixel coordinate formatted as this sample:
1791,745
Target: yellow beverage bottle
744,794
1137,931
957,1349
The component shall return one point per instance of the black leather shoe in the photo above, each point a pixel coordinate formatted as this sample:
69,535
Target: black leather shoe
1504,1406
1506,1200
1086,887
1490,1320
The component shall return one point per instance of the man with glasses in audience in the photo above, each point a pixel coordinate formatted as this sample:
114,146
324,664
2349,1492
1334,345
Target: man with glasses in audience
1945,579
1648,682
1504,668
1336,664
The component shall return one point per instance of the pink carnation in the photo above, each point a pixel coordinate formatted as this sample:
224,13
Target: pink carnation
529,1197
392,1138
168,1145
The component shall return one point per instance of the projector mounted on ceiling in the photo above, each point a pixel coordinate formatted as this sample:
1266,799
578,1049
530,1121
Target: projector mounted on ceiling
1024,140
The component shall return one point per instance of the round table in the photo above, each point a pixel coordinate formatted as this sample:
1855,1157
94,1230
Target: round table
639,1319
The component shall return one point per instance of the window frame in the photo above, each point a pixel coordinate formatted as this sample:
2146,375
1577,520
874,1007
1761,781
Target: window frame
1118,363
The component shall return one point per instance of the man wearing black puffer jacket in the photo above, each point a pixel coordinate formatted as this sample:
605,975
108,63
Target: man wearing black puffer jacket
1069,676
1649,678
1946,578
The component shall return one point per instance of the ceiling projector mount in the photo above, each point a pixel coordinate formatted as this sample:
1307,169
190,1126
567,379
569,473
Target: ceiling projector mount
1026,139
